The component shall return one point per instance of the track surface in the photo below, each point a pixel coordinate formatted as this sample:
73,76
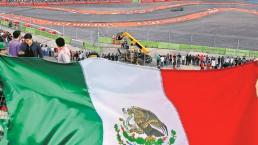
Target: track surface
227,21
157,21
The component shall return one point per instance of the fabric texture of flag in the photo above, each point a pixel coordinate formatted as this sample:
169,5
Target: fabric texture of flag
97,102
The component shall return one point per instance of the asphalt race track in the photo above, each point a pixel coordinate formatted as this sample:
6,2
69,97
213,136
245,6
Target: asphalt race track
221,24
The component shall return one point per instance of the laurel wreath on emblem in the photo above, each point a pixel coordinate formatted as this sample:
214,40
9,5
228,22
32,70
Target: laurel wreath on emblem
142,127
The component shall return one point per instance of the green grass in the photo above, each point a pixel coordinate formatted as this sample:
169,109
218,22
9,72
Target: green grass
165,45
149,44
106,40
240,52
253,53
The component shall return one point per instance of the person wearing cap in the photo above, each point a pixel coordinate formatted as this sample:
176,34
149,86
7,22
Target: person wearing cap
63,53
15,44
30,48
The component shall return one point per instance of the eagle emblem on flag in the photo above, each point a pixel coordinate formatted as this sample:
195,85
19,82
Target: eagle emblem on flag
141,126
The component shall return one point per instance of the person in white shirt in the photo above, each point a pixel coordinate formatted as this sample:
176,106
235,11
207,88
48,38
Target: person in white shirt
64,55
227,60
231,61
213,63
82,56
162,59
183,60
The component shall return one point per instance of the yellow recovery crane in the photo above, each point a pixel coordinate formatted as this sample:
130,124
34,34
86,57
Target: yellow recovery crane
142,57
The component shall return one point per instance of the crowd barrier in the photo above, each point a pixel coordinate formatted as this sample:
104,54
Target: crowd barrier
194,48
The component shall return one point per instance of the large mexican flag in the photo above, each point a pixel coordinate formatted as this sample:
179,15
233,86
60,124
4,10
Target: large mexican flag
97,102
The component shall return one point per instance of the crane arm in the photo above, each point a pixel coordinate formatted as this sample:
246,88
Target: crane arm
136,42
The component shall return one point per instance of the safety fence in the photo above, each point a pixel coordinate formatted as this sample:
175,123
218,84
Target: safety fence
234,44
90,40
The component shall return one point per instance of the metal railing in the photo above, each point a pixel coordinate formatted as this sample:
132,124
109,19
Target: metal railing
211,40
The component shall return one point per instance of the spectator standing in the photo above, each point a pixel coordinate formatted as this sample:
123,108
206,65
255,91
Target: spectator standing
64,55
170,59
30,48
162,59
183,60
188,59
2,37
174,61
112,57
231,61
178,60
202,65
116,57
158,60
213,63
15,44
201,59
208,65
219,62
222,61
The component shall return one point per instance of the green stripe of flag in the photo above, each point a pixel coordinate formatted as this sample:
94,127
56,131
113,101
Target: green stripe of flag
49,103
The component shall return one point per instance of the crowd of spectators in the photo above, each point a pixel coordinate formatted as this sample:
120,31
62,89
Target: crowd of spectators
16,45
81,55
25,46
5,36
111,56
205,62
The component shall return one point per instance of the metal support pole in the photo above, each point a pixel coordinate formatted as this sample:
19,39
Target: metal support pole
91,37
214,41
98,40
76,33
169,36
238,43
63,30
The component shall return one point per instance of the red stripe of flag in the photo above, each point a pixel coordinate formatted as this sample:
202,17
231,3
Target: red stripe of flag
217,107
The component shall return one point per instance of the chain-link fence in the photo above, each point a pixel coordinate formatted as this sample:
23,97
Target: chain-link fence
211,40
79,35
